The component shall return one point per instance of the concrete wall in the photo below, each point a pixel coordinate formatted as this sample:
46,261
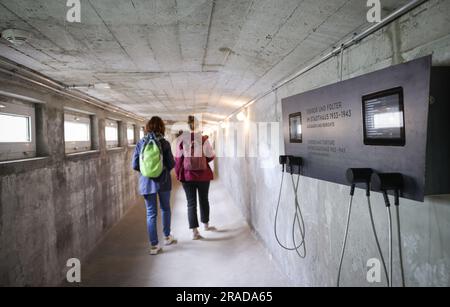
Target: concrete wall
425,226
59,207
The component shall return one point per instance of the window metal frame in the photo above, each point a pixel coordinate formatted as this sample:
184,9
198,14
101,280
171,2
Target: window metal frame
133,141
77,146
19,150
115,143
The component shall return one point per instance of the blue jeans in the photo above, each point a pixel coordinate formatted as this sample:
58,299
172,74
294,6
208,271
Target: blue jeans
152,215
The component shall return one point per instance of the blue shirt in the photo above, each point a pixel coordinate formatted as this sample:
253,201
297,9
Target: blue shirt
149,186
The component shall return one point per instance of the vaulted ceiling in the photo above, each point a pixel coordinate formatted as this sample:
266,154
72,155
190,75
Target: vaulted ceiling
174,57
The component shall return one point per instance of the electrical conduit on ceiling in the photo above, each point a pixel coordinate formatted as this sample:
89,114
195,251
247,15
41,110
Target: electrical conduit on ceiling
21,72
336,51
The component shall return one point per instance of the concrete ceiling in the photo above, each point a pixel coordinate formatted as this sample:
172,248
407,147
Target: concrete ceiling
174,57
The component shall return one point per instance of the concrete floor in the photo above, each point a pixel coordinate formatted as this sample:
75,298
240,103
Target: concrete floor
229,257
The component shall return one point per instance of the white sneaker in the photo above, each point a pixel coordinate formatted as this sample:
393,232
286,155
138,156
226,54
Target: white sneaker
155,250
209,228
197,236
170,240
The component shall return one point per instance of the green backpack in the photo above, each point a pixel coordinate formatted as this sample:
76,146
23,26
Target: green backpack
151,159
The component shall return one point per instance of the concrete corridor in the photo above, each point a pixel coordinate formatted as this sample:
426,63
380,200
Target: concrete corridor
342,92
230,257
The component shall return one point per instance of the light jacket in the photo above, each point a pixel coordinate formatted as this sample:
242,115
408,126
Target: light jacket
193,176
149,186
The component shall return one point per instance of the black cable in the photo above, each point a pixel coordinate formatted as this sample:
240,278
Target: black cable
399,236
377,241
352,193
388,208
390,247
276,219
346,235
298,218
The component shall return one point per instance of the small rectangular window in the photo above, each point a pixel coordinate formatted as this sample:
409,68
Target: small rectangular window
112,133
17,130
130,135
141,133
77,132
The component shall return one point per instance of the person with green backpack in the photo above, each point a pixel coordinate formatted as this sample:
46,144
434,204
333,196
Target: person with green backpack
153,159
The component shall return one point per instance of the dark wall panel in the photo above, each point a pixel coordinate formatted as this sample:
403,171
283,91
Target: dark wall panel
333,130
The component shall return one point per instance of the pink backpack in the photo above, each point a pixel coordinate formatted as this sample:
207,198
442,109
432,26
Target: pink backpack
194,156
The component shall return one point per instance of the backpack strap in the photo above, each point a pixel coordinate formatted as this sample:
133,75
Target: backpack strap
152,137
157,139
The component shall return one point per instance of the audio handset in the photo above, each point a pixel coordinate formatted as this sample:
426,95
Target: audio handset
359,175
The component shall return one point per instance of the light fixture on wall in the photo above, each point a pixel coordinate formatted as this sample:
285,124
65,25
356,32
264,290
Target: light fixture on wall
2,106
241,116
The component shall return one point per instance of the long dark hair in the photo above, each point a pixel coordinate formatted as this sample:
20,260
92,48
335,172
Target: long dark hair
156,125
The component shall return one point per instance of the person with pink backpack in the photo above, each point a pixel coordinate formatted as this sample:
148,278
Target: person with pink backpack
193,155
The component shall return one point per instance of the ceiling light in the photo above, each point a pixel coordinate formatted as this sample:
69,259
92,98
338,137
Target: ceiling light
241,116
15,36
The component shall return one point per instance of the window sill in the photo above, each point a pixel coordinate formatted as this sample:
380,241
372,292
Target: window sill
8,162
115,149
131,145
21,166
82,154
